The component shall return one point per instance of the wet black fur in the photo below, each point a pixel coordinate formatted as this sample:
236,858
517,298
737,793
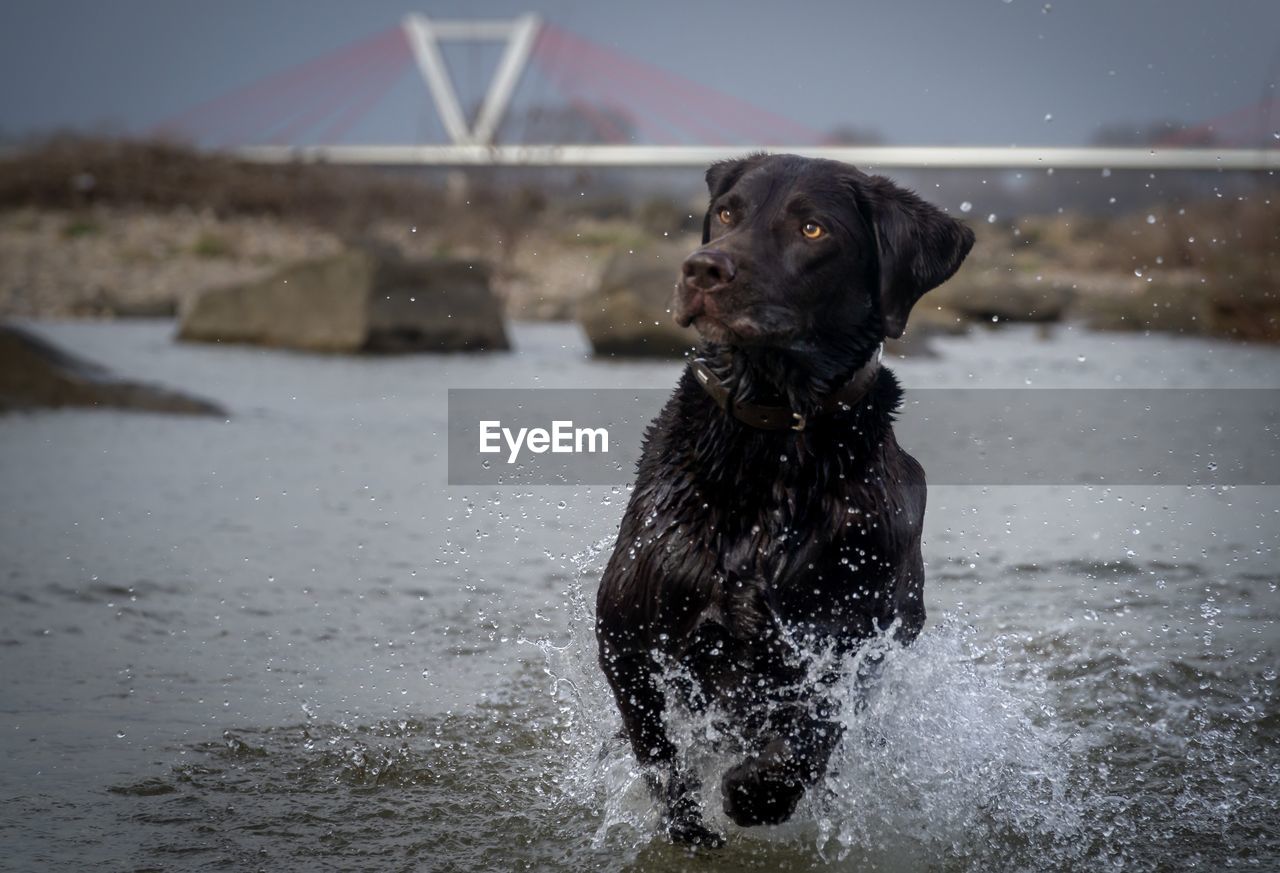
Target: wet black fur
742,549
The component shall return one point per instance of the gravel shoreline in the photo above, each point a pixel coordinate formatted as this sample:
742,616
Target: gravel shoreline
103,261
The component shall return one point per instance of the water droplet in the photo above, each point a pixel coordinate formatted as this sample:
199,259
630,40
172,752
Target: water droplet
1080,359
966,206
1151,219
1048,116
119,735
991,219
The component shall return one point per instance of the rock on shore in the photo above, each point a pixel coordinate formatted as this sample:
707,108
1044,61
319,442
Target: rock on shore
35,373
1243,308
629,314
356,301
993,295
131,263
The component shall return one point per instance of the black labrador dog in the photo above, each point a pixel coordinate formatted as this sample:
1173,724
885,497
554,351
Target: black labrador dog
774,514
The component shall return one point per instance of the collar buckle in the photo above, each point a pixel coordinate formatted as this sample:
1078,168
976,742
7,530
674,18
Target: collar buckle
765,417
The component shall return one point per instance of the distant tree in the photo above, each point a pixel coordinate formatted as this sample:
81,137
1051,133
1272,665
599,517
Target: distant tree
581,123
1159,132
848,134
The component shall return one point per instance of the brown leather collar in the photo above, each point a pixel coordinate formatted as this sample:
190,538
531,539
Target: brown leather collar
765,417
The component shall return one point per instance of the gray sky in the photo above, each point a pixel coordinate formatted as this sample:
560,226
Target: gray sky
918,71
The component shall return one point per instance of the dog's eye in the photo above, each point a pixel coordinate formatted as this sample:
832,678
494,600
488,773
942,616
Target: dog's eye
812,230
725,216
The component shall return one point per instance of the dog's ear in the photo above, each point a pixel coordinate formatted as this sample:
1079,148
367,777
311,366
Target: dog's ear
721,176
918,246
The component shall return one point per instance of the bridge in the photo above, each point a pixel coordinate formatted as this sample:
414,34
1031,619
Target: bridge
637,114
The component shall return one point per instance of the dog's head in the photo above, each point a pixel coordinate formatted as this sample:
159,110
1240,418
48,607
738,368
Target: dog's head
797,251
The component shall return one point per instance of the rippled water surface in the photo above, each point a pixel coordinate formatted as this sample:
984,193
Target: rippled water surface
282,642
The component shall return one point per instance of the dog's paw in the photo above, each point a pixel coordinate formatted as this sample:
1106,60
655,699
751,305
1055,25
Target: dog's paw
755,794
692,832
678,793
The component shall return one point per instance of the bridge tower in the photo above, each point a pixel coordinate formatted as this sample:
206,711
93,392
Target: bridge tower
425,35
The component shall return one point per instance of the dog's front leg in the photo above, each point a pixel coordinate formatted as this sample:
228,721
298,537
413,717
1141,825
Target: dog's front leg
766,787
637,687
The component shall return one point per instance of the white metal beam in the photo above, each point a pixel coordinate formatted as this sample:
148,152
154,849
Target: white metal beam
426,51
524,30
424,35
899,157
493,30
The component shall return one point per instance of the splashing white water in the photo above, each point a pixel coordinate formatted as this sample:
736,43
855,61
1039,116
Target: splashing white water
947,756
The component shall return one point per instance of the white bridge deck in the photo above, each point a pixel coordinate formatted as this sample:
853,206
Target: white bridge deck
899,157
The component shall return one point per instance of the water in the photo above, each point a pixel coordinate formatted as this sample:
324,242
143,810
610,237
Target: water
281,642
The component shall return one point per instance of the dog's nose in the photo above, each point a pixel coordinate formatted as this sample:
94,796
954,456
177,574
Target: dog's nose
709,270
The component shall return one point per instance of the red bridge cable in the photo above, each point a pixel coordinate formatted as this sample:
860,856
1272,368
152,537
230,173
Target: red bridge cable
267,92
1256,116
313,99
572,78
594,70
392,71
604,127
317,108
654,99
724,110
557,67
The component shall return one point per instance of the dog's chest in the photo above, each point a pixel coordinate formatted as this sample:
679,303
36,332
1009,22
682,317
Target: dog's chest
810,555
797,533
740,529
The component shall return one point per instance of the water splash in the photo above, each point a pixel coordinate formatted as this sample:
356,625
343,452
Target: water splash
1111,738
948,757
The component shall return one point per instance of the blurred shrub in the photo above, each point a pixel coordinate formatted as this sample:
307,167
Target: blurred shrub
212,245
661,215
1200,235
70,172
80,226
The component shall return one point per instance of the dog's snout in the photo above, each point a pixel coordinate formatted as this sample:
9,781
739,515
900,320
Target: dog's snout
709,270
